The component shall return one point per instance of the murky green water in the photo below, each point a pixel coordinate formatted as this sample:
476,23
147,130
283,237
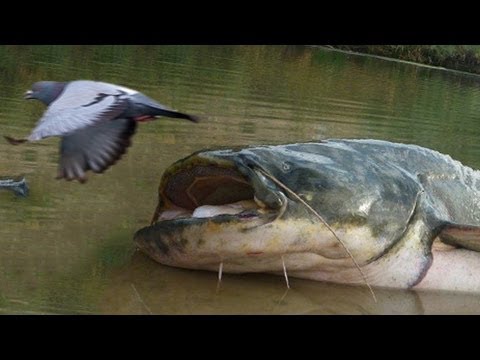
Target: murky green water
67,249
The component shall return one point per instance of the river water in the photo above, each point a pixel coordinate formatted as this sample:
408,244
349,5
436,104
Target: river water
67,248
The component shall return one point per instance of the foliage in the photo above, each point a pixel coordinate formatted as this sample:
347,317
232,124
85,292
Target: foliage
458,57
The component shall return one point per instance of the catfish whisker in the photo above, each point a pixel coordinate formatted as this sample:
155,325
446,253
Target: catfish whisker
290,191
279,302
140,299
285,273
220,271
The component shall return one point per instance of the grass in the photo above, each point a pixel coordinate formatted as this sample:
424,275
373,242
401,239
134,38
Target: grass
457,57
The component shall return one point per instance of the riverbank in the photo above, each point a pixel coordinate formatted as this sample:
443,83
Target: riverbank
457,57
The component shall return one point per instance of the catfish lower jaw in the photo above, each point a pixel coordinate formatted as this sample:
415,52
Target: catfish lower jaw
188,241
245,220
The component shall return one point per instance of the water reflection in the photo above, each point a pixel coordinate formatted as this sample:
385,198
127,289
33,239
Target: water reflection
132,291
68,248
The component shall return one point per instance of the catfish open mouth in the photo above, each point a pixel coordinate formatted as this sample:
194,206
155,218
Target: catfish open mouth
207,190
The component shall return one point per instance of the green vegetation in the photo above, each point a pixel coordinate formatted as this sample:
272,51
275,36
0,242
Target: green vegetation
457,57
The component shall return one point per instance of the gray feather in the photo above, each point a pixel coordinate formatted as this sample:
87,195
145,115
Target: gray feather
95,148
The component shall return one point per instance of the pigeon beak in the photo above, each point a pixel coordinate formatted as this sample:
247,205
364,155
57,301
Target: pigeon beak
28,94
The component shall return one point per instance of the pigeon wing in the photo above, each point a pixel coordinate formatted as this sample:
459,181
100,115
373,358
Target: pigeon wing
95,148
81,104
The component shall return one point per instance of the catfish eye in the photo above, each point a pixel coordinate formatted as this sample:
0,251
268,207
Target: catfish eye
286,166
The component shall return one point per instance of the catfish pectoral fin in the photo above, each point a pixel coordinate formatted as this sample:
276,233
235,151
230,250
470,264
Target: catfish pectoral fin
13,141
465,236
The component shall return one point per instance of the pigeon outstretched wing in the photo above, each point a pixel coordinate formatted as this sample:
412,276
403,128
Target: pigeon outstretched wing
94,147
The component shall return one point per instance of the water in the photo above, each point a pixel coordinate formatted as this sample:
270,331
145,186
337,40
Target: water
67,248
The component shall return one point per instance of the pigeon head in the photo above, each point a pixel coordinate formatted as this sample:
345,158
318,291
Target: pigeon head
45,91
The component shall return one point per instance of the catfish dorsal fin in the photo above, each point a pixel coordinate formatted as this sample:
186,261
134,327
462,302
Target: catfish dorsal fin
465,236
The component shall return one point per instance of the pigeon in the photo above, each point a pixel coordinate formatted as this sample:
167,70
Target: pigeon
95,121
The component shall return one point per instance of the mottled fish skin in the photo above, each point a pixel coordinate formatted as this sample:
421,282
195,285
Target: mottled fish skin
388,202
